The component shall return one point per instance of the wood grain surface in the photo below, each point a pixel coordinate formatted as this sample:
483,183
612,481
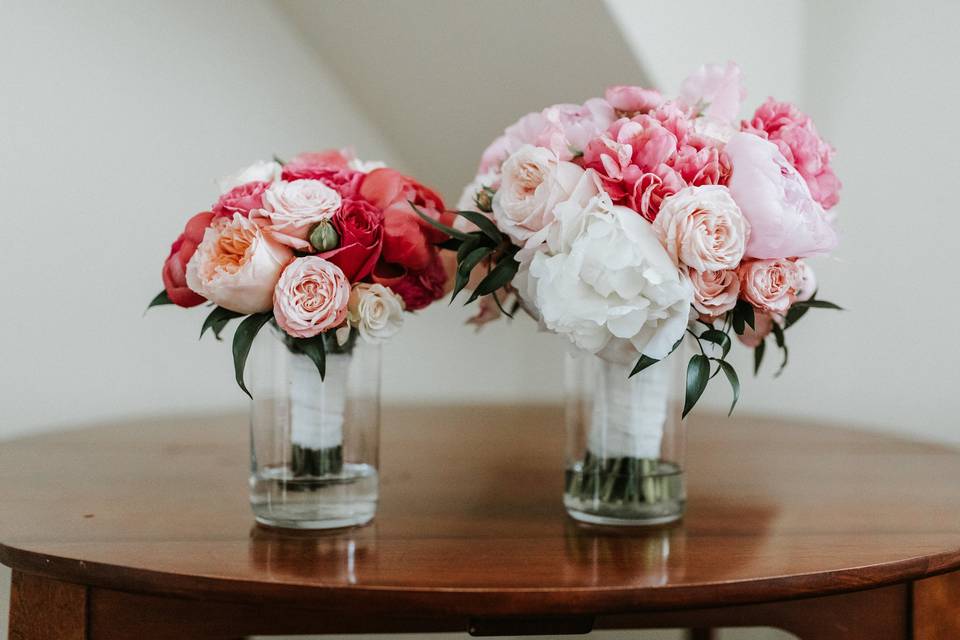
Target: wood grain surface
471,521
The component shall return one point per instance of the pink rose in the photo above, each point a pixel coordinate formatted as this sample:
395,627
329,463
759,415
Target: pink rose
797,139
294,208
715,91
417,288
702,227
628,101
785,221
714,292
175,266
700,162
360,226
762,326
311,297
769,285
236,265
242,199
407,239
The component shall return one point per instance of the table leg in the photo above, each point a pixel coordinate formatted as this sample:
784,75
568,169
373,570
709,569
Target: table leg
44,609
936,607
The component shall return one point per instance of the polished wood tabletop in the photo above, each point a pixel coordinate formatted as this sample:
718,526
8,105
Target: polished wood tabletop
471,520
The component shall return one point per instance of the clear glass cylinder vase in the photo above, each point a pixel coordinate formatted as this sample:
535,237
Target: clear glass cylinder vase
625,442
314,443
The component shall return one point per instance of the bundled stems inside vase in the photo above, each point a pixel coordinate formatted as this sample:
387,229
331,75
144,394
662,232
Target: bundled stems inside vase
625,448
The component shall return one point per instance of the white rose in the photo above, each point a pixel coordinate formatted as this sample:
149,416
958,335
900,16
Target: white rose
260,171
293,208
532,182
236,266
468,199
376,312
702,227
612,289
807,281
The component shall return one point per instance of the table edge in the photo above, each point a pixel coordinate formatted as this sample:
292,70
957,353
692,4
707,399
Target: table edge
480,601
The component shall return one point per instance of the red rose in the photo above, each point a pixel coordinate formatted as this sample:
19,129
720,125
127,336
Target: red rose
407,238
241,199
175,267
417,288
360,226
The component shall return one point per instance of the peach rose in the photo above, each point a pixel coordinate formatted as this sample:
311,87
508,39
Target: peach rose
769,285
236,266
714,292
702,227
294,208
311,297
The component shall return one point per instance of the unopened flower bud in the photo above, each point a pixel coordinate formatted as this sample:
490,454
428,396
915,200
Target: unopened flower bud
324,237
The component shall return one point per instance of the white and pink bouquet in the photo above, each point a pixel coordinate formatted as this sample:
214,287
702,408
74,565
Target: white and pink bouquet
632,220
324,247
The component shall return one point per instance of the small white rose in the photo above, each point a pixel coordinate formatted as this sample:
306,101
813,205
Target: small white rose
260,171
375,311
365,166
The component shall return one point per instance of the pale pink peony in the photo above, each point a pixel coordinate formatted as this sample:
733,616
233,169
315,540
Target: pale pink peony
294,208
702,228
785,221
312,296
797,139
628,100
565,129
715,91
236,265
769,285
714,292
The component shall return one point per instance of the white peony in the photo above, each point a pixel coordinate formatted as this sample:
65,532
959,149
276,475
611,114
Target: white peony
604,281
260,171
702,227
532,182
376,312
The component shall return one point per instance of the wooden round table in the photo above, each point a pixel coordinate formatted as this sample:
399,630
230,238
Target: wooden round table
142,530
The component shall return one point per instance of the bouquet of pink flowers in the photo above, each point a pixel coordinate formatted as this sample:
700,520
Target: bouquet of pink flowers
325,247
632,220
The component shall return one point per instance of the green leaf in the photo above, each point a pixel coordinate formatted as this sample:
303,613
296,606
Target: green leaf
698,373
818,304
758,356
484,223
737,321
217,320
468,245
642,363
278,160
499,276
450,231
793,315
315,349
781,342
243,339
451,244
718,338
466,265
496,299
734,381
160,299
